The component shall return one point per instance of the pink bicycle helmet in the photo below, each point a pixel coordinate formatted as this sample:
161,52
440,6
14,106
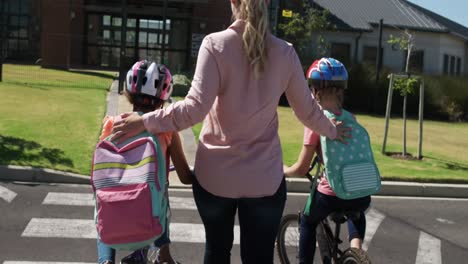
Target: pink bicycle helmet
149,78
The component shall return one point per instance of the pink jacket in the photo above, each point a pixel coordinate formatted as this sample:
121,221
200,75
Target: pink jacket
239,153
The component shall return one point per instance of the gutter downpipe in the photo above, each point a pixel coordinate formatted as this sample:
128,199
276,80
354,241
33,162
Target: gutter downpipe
356,47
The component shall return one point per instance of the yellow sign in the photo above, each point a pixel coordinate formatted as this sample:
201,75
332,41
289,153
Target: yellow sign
287,13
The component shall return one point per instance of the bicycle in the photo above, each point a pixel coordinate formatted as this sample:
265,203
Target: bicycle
287,241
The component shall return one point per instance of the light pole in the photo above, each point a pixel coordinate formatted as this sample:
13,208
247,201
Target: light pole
2,36
123,44
163,47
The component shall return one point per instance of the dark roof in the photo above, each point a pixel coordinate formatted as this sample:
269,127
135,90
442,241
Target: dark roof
363,14
452,26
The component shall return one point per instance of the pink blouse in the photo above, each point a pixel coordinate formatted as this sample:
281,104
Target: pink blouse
239,152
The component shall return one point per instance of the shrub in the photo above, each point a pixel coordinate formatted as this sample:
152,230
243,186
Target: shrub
363,93
182,84
445,97
449,96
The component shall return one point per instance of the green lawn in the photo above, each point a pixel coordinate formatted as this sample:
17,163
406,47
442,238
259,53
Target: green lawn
444,147
51,118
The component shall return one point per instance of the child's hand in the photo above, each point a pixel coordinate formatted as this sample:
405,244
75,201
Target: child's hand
342,132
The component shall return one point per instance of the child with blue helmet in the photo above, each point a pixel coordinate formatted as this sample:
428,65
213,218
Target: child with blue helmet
328,78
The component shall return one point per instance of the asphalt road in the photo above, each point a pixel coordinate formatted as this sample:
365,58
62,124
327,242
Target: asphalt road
53,224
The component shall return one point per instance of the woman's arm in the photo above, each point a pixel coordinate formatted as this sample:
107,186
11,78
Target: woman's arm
177,155
301,167
182,114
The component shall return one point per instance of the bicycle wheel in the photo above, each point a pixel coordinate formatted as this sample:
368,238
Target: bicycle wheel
287,241
354,256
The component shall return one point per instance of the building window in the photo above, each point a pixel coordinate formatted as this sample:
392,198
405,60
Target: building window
452,65
446,64
416,63
458,66
144,40
341,52
16,17
370,55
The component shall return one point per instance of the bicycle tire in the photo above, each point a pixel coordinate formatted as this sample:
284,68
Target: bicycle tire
284,238
323,244
354,256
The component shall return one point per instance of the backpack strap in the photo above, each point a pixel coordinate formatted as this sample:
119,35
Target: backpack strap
161,171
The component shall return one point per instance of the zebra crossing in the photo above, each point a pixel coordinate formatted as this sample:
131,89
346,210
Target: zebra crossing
186,229
6,194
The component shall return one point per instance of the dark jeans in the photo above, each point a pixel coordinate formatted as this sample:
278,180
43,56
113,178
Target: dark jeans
322,206
259,220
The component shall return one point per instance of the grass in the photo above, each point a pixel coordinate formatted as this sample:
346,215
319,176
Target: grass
444,147
51,118
445,156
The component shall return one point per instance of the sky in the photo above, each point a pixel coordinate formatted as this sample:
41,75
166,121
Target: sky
455,10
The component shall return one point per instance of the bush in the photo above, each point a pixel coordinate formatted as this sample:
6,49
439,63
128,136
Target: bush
445,97
182,84
363,93
449,96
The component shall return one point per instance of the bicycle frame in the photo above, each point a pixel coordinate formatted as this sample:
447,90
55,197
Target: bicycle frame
333,239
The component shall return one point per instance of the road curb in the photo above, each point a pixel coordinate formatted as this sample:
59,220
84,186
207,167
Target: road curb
31,174
398,188
296,185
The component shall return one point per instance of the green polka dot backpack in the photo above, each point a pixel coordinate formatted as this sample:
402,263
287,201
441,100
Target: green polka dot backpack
350,168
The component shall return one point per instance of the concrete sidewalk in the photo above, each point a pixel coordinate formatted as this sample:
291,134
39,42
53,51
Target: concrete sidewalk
117,104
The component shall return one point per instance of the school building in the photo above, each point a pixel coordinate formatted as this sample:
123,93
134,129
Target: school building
88,33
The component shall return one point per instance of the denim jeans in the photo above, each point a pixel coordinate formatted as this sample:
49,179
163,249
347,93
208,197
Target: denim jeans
259,220
322,206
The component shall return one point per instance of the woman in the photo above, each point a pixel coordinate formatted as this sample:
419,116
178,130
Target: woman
240,76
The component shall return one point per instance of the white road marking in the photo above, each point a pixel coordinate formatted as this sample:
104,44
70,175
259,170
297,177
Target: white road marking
187,203
7,194
445,221
373,220
428,250
86,199
60,228
73,199
81,228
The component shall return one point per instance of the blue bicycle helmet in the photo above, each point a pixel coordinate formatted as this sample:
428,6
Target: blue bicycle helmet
327,72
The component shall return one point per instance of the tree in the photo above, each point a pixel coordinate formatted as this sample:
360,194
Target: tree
406,85
300,29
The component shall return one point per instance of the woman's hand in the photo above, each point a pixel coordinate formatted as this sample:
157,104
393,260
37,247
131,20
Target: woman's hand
130,126
342,132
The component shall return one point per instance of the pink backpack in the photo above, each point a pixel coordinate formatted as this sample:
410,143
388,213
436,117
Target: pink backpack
129,183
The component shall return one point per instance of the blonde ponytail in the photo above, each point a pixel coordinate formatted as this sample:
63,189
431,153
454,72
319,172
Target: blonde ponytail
255,14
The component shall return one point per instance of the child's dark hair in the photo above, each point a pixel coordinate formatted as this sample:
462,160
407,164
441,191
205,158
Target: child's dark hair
143,102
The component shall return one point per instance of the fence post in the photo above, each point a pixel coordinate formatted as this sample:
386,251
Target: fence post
421,117
387,113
